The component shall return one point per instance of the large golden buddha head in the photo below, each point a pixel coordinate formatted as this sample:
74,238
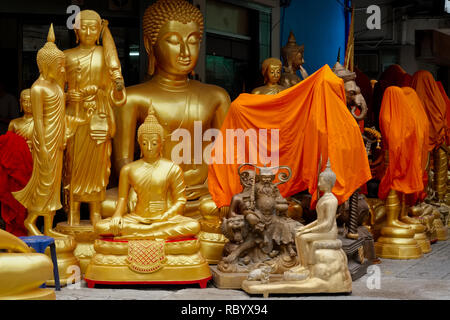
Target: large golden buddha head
173,31
51,60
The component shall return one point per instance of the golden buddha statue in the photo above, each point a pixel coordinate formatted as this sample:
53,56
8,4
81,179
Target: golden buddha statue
95,85
322,264
154,228
24,126
22,272
293,58
173,30
41,196
271,71
160,189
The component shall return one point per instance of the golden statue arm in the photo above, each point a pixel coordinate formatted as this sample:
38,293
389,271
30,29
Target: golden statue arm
11,242
222,110
124,190
178,188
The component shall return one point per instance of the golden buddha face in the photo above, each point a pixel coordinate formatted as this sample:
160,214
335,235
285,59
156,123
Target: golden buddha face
57,70
89,32
25,102
177,47
151,146
273,74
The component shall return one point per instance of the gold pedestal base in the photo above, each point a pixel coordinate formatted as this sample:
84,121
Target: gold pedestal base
224,280
296,287
36,294
423,242
212,246
184,264
68,265
442,233
84,236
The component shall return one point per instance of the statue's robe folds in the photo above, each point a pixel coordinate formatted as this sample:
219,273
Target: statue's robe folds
313,122
405,130
88,163
42,193
434,105
160,188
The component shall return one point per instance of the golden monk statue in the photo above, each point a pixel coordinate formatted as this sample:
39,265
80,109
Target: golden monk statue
22,272
160,190
24,126
173,30
149,240
95,85
293,58
271,71
41,196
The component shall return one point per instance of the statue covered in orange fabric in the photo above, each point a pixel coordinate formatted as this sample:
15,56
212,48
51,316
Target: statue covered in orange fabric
310,120
436,109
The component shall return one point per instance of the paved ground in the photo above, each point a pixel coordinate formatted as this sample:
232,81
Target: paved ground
425,278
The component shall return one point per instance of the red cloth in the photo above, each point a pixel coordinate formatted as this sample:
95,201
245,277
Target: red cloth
434,105
314,121
16,166
404,128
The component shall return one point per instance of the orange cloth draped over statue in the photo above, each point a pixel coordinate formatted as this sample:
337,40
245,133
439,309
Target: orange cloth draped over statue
313,121
447,100
434,105
405,134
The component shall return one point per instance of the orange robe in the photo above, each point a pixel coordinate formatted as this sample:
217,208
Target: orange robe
447,100
405,134
434,105
313,121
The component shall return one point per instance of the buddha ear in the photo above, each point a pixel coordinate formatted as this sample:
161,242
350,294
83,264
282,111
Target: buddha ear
151,55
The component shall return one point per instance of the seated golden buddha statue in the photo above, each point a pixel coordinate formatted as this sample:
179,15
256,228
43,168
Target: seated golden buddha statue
24,126
22,272
271,71
172,31
293,59
154,242
322,262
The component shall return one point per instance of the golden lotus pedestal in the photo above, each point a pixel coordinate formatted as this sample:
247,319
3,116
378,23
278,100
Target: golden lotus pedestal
212,246
184,264
397,243
84,236
68,264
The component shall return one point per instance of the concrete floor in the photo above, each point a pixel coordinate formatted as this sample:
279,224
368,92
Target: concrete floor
425,278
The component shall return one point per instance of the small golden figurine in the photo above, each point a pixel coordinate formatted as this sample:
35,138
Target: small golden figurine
22,271
322,262
271,71
293,58
150,240
95,85
41,196
173,30
24,126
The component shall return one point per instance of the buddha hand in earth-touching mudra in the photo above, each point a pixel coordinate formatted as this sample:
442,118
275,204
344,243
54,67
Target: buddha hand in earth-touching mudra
160,190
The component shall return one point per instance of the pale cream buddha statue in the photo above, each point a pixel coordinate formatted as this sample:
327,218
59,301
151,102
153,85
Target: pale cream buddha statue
23,126
160,190
271,71
173,30
153,241
22,272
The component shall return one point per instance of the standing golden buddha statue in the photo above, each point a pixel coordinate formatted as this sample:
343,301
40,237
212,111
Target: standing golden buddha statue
293,58
95,85
24,126
271,71
173,30
41,196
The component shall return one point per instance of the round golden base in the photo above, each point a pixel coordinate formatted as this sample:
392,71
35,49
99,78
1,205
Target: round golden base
392,248
84,236
36,294
212,246
68,265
